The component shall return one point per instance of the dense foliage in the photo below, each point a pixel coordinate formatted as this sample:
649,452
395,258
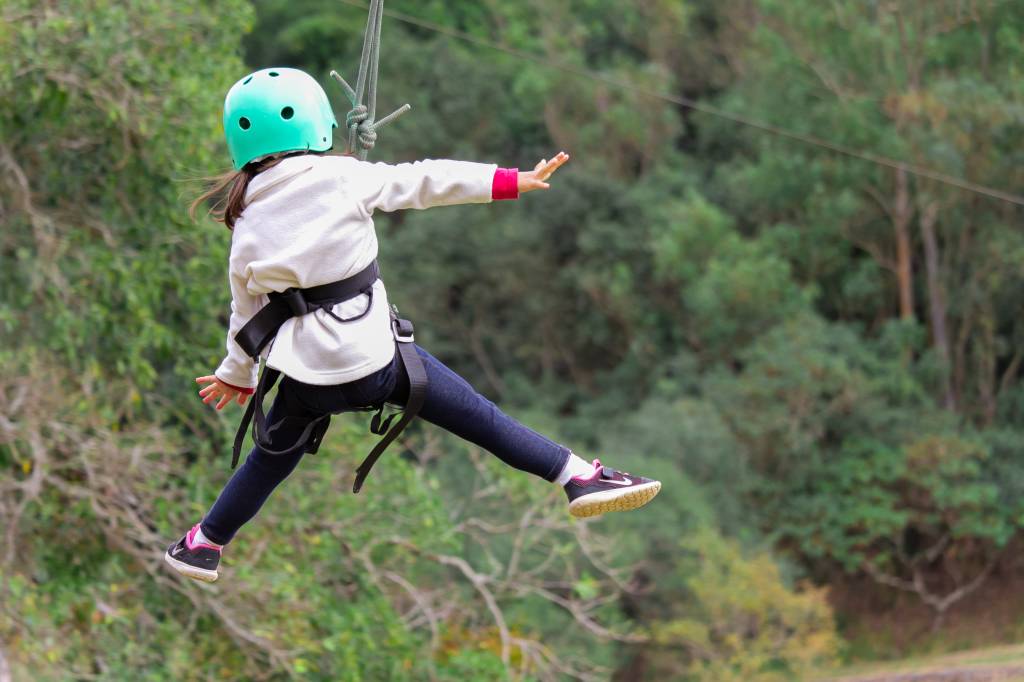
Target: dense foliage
819,356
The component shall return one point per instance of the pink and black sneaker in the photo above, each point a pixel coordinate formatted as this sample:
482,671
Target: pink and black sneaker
194,559
608,490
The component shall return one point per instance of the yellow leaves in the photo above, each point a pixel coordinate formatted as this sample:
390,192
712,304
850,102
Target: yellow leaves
686,632
743,622
458,638
916,104
941,451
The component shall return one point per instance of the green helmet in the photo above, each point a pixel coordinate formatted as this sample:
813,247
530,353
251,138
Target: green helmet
276,110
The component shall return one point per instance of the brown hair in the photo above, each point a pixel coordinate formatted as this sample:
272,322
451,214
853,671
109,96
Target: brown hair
226,191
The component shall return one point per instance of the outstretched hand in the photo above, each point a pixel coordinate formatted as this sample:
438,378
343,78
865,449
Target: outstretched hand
537,178
217,389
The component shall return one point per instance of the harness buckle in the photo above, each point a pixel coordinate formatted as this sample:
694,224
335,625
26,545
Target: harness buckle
295,301
402,330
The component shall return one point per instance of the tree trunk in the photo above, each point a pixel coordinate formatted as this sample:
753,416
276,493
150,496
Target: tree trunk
901,215
937,298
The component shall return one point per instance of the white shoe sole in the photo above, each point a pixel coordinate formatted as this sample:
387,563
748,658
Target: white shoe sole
625,499
206,575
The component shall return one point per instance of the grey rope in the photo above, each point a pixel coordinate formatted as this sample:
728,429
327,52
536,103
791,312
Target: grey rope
362,128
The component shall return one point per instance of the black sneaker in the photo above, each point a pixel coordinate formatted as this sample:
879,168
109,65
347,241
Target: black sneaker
193,559
608,490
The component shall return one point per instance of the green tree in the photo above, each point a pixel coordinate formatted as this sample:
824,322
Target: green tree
936,85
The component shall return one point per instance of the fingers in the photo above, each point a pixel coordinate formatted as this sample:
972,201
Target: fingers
224,398
529,184
554,164
545,168
216,391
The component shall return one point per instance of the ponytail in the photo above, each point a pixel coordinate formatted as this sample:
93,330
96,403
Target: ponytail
226,192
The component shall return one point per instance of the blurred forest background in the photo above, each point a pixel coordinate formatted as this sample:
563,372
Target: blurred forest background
819,356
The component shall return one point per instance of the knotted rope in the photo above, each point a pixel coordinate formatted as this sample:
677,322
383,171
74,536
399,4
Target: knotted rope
362,128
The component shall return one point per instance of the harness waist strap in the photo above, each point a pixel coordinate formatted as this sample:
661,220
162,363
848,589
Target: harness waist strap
293,302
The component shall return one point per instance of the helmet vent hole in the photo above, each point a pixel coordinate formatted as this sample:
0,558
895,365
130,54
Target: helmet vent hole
287,113
273,74
244,123
246,81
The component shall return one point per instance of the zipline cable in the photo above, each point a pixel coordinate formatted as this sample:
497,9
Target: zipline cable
837,147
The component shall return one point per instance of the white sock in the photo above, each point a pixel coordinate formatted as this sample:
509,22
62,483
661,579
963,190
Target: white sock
200,538
575,466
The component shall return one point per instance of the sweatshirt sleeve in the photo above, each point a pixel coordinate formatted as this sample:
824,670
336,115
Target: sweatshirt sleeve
423,184
238,369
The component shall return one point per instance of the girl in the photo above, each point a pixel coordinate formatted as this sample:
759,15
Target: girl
301,219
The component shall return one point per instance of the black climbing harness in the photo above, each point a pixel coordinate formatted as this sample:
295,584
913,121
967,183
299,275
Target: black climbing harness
264,325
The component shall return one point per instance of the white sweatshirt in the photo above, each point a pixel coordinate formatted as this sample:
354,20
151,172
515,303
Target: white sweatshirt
308,221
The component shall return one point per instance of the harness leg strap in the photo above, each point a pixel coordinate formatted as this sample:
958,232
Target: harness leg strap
309,439
417,373
267,380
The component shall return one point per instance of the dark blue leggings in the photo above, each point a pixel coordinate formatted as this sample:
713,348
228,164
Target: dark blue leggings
451,403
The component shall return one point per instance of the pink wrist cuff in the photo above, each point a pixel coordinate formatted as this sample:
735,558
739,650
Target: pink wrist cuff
506,184
240,389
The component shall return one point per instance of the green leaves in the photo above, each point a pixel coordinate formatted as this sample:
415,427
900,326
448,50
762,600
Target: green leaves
116,116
